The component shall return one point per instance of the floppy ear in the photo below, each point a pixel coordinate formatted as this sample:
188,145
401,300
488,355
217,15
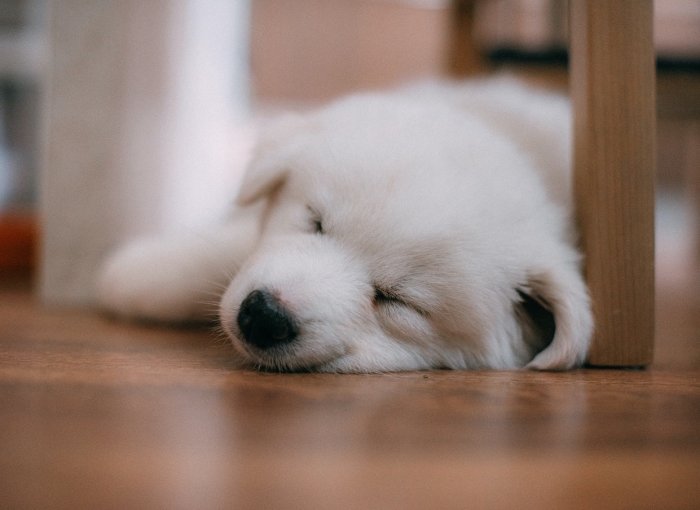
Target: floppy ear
535,319
556,318
261,178
270,163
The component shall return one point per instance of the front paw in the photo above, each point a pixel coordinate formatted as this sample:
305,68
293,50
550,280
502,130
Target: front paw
159,280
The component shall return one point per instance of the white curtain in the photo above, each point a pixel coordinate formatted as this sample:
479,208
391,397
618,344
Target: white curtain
143,107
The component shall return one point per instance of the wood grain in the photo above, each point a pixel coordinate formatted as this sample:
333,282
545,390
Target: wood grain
613,89
97,414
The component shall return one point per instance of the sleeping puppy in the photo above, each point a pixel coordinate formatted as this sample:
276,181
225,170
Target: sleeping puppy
425,228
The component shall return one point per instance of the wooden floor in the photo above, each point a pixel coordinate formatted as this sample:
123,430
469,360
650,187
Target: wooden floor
95,414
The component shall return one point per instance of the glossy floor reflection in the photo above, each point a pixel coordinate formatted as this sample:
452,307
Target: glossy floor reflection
98,414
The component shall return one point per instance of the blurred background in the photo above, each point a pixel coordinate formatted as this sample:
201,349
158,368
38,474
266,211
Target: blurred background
121,118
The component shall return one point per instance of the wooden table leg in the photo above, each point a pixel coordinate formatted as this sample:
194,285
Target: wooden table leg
613,89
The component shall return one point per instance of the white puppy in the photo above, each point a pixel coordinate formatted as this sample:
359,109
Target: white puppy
427,228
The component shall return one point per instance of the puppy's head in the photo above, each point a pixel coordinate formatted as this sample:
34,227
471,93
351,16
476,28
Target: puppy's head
381,252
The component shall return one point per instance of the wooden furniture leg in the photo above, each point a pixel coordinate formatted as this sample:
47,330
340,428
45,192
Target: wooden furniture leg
463,57
613,90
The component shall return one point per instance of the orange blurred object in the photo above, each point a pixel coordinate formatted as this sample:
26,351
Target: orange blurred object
18,242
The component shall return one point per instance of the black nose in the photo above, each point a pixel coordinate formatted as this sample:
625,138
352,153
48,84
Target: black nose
264,322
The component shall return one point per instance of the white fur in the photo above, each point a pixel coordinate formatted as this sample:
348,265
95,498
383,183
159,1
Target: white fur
455,197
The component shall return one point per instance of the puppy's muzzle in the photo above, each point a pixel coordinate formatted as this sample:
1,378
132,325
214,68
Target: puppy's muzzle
264,322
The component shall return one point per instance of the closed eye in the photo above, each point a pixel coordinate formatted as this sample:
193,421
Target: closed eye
384,296
316,221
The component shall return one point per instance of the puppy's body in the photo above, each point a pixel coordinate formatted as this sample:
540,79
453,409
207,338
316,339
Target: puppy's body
428,228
